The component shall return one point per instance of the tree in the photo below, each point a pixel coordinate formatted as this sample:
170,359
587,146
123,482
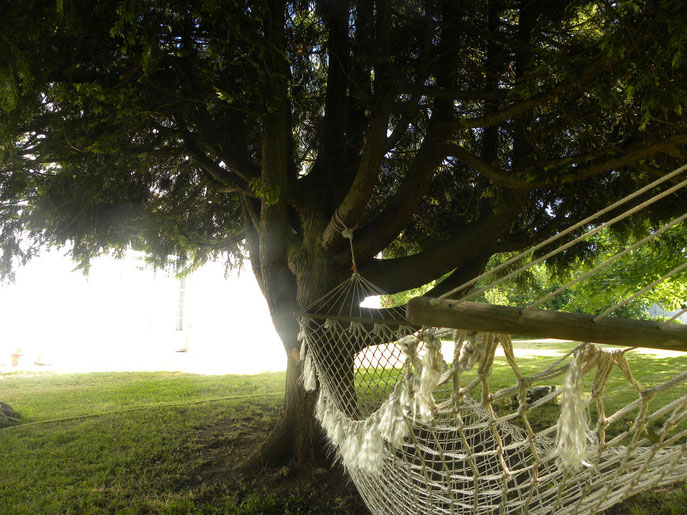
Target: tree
619,270
442,132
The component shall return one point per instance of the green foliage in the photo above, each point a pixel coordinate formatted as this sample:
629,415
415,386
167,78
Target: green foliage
268,192
129,124
641,267
606,287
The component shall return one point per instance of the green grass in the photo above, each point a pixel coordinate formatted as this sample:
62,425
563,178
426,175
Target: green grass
144,448
136,461
46,396
649,370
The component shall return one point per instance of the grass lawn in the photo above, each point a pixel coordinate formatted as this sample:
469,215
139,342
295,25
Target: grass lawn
160,442
147,451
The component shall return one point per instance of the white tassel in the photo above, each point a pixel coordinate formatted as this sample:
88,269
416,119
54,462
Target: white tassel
470,352
328,419
303,326
406,398
571,445
371,454
387,419
408,345
425,407
431,374
357,330
338,433
304,348
392,424
308,374
321,406
350,448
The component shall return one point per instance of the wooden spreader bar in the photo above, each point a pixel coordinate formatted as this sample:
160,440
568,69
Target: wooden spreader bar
546,324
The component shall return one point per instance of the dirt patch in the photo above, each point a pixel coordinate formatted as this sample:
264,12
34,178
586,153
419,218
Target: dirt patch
217,483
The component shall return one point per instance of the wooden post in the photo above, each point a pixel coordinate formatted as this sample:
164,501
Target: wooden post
546,324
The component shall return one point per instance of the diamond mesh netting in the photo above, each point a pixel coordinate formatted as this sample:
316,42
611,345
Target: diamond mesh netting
414,416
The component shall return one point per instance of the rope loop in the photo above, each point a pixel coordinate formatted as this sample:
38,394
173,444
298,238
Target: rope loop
347,233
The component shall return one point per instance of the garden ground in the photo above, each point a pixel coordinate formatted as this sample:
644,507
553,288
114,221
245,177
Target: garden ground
170,442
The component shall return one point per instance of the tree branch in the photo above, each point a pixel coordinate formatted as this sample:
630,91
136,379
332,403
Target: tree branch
464,95
525,239
590,72
382,229
388,224
222,244
461,275
382,36
233,150
400,274
335,14
484,168
410,111
226,181
408,114
632,154
348,213
360,90
527,18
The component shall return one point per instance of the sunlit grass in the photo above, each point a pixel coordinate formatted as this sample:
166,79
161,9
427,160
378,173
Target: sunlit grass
138,461
140,452
47,396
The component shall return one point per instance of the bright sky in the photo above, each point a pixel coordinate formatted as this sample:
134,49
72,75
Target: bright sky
124,317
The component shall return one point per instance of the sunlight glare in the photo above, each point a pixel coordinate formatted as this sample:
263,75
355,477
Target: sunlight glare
124,317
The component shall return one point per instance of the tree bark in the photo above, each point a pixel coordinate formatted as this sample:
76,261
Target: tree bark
296,439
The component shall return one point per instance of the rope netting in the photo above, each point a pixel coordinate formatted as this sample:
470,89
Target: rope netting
431,420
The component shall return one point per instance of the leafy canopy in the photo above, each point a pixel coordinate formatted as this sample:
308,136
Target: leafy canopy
445,130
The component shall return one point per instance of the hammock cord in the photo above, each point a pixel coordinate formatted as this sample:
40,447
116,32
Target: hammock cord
570,229
421,428
347,233
605,264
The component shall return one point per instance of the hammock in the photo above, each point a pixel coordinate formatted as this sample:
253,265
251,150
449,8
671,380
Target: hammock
411,411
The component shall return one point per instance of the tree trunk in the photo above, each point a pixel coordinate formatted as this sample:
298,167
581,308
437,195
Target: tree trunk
296,439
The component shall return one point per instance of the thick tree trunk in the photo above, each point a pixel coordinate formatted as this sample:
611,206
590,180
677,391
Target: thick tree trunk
297,439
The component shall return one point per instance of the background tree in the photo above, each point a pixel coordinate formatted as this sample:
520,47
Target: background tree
443,132
609,284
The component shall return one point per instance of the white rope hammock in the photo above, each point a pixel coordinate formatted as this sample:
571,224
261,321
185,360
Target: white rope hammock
417,423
